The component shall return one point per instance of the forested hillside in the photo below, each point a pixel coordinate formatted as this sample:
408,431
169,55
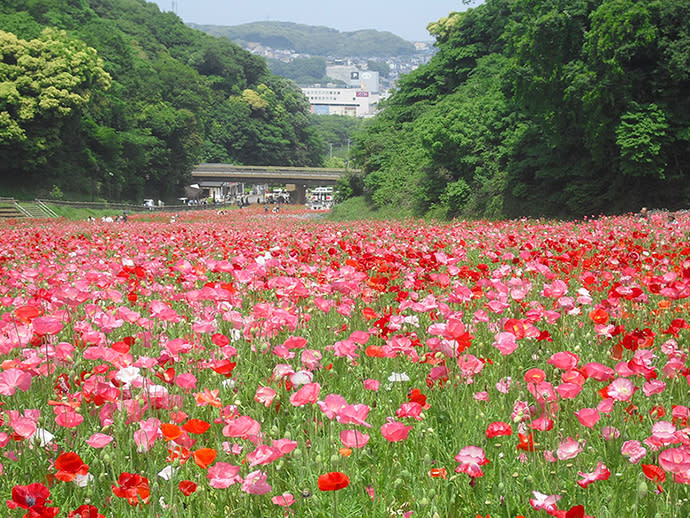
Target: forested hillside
317,41
113,98
540,107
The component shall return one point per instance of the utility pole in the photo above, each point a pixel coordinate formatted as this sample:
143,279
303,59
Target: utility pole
330,155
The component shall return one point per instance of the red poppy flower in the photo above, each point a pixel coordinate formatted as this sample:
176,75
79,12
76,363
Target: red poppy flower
68,466
132,487
438,473
170,431
526,442
85,511
187,487
26,497
204,457
196,426
654,472
333,481
498,429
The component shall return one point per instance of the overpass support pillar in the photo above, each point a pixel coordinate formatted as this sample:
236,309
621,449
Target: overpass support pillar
298,193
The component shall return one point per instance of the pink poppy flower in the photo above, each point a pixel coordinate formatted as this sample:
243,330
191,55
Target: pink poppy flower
263,454
505,343
354,438
411,409
588,417
601,472
610,432
621,389
543,424
307,394
568,449
13,379
243,427
653,387
372,384
470,460
568,390
542,502
498,429
675,460
354,414
67,417
222,475
265,395
663,434
633,450
564,360
255,483
99,440
46,326
598,371
284,500
395,431
332,404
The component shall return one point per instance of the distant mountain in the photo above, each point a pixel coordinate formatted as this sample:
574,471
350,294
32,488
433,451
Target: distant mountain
313,40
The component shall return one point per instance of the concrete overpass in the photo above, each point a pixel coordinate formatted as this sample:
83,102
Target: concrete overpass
296,179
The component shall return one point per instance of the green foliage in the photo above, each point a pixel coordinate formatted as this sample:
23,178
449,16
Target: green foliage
303,71
316,41
121,100
542,108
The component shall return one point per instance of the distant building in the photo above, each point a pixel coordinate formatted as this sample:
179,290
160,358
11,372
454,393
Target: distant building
355,102
355,77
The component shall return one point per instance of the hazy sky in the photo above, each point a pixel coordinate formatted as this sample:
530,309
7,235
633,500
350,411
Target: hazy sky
406,18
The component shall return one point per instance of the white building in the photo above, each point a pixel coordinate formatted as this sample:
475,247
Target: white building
355,102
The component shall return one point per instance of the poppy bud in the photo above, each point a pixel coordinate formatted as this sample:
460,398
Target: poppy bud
642,489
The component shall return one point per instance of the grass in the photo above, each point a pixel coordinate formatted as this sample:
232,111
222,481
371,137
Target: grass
358,208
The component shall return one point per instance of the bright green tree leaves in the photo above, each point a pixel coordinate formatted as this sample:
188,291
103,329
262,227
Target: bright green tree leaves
45,78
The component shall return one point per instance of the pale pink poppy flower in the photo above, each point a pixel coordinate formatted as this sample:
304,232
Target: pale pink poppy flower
46,325
67,417
395,431
284,500
542,502
568,449
675,460
605,406
265,395
354,438
307,394
222,475
481,396
186,381
372,384
243,427
634,451
599,371
409,409
601,472
263,454
663,434
505,343
283,446
332,404
653,387
564,360
255,483
13,379
99,440
311,359
470,460
503,385
610,432
568,390
588,417
621,389
549,456
543,424
353,414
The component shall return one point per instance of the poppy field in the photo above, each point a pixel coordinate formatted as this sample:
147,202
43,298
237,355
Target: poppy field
275,365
